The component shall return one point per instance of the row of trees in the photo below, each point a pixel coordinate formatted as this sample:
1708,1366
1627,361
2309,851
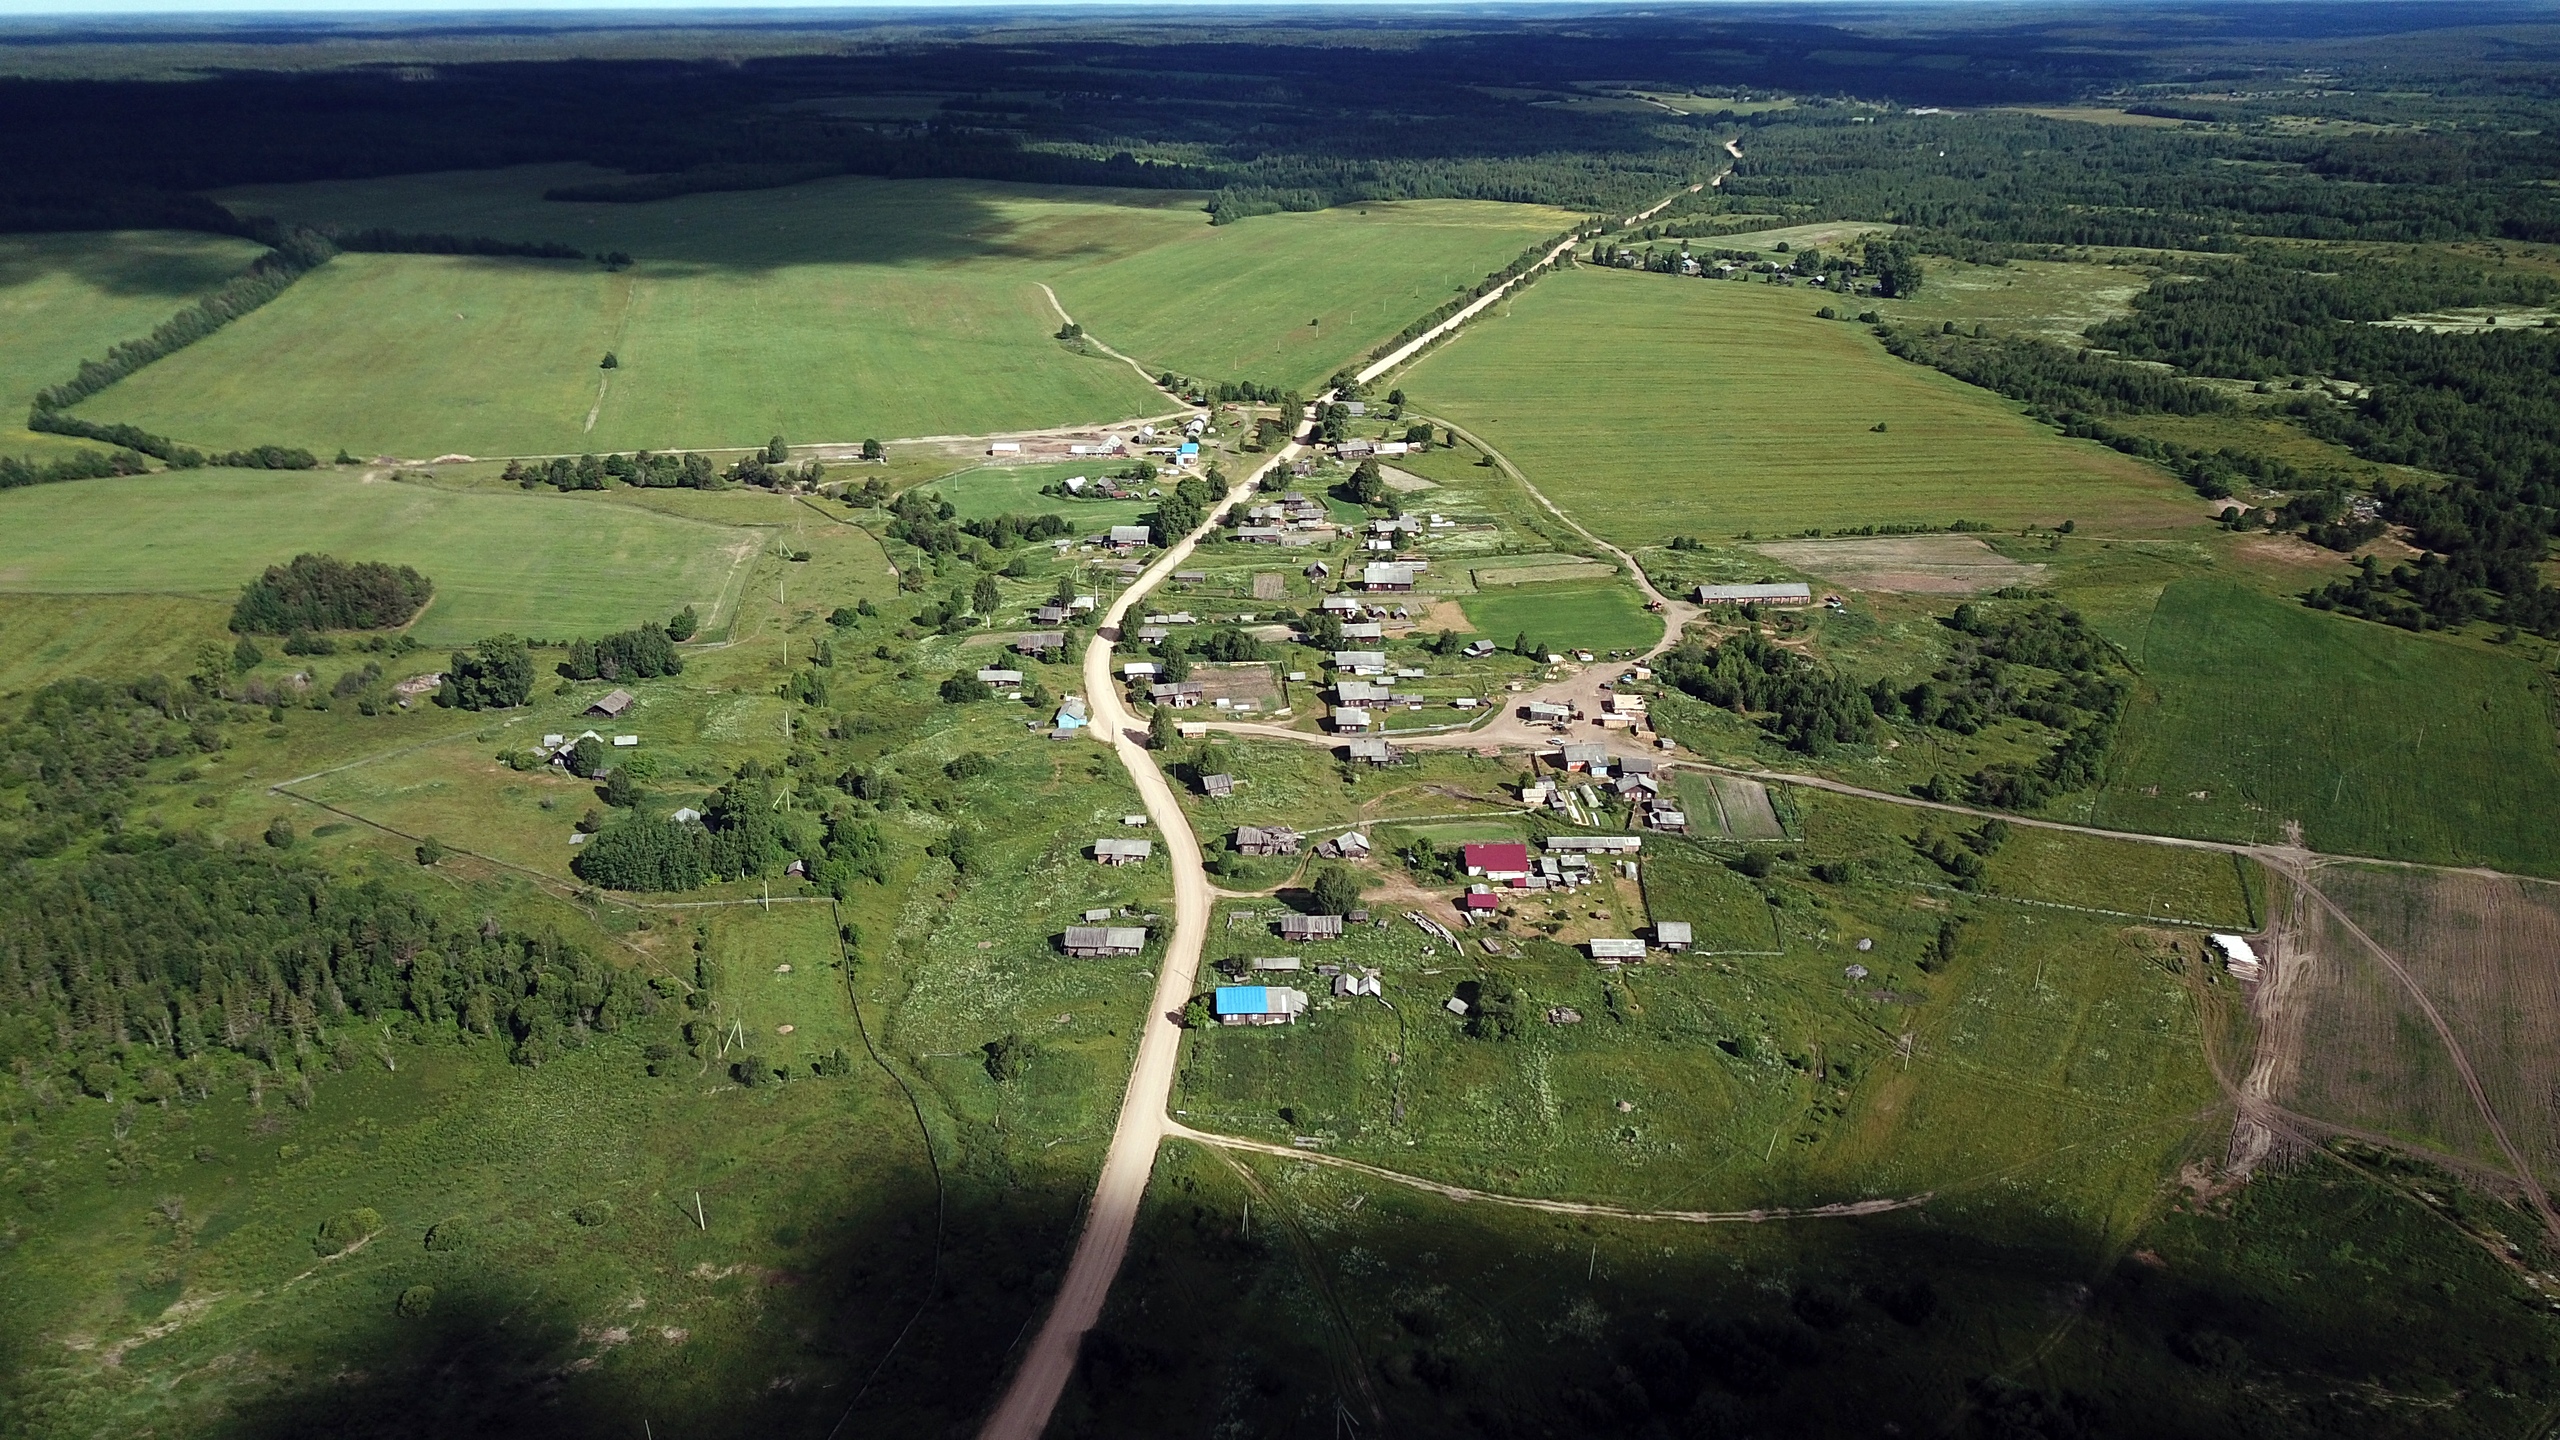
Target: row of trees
644,652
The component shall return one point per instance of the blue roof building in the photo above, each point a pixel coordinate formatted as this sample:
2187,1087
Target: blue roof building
1259,1004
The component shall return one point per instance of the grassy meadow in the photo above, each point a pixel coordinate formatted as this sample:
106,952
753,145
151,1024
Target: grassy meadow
535,562
1650,407
2256,713
66,298
1605,616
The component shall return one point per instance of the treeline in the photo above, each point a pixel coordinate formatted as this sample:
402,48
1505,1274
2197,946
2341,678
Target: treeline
296,254
170,452
322,592
152,976
377,240
2052,379
17,470
645,470
2482,408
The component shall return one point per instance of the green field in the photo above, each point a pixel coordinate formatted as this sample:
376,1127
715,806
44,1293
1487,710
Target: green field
1237,300
994,490
66,298
828,312
2376,741
1605,616
1649,407
533,562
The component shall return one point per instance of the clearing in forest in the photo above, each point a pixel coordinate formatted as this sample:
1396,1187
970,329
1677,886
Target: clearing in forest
1649,407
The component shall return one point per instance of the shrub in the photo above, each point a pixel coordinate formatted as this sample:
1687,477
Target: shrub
964,687
593,1213
280,833
1008,1058
447,1235
320,592
682,625
430,851
415,1301
346,1229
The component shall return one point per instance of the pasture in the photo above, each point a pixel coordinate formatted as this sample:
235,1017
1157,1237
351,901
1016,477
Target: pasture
66,298
1650,407
992,490
2256,713
532,562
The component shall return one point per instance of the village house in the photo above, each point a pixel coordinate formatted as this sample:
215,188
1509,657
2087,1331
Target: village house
1152,634
1385,577
1496,859
1218,787
1127,537
1543,713
1180,694
1356,449
1123,852
1040,642
1258,1004
1663,817
1361,694
1347,606
1088,942
1365,630
1373,751
1266,840
1351,845
1139,670
1587,759
1594,844
1350,717
1479,900
1360,662
1261,534
1000,679
1616,952
612,705
1672,934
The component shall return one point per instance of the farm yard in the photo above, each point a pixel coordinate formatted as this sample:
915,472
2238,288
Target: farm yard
1726,408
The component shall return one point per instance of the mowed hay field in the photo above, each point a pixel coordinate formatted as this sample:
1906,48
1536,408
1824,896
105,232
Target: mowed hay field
1238,300
1651,407
2377,741
66,298
835,311
2486,950
530,562
1608,615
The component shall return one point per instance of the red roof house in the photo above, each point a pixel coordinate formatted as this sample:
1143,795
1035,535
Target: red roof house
1498,860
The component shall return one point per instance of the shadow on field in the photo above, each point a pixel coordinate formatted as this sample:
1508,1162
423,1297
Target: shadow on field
176,268
493,1355
1323,1309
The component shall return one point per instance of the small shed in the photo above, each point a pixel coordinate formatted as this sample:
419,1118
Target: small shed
1123,852
1218,787
612,705
1087,942
1616,952
1310,927
1673,934
1266,840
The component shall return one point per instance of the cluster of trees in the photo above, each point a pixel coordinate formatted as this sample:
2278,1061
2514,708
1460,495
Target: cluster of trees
322,592
496,674
645,470
1801,701
2036,660
1007,531
743,834
151,975
643,652
1181,511
73,754
162,448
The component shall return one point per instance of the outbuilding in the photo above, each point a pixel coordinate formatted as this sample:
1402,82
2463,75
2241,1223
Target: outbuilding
1673,934
1616,952
1310,927
1792,592
1123,852
612,705
1087,942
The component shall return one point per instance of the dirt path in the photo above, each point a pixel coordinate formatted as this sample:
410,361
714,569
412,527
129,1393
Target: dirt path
1465,1196
1066,319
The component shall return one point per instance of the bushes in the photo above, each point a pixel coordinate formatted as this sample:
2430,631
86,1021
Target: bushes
85,465
496,674
1810,707
346,1229
321,592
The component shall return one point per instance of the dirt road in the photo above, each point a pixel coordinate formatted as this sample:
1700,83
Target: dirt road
1024,1411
